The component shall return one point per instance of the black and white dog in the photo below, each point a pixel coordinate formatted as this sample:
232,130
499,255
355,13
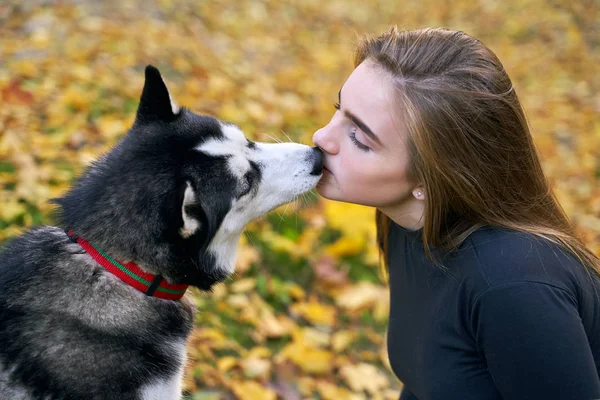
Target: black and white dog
93,309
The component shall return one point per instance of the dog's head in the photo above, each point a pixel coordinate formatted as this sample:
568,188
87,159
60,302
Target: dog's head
175,194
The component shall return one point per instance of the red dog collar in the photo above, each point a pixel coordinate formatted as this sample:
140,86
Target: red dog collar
130,273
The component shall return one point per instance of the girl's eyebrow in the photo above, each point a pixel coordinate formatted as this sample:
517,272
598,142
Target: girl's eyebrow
363,127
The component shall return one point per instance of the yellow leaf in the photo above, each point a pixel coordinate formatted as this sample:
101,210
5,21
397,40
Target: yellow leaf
364,377
81,72
325,59
218,84
208,334
181,64
243,285
306,385
246,256
315,312
381,310
238,301
362,295
224,364
260,352
341,339
351,219
255,110
11,209
219,291
309,359
312,337
75,98
250,390
29,185
357,224
296,292
110,126
391,394
25,67
345,246
271,326
256,368
10,232
280,243
329,391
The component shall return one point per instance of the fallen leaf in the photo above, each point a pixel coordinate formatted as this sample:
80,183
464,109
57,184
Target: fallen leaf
14,93
329,391
361,296
364,377
327,273
251,390
345,246
224,364
342,339
243,285
246,256
258,368
315,312
309,359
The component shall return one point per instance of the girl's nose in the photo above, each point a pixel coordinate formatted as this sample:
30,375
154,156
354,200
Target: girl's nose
326,140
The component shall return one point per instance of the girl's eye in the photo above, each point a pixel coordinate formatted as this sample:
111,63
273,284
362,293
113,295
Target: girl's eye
352,134
358,144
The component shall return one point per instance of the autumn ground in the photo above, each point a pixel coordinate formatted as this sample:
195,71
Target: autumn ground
306,313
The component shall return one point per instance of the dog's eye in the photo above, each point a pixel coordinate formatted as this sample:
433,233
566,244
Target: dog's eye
247,185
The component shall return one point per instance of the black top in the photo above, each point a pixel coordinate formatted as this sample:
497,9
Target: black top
514,318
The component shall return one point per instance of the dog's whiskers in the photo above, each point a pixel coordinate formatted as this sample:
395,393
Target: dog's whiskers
281,216
296,211
306,199
249,237
276,139
289,139
312,193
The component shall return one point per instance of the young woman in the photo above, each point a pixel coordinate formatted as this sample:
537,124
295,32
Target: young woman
492,294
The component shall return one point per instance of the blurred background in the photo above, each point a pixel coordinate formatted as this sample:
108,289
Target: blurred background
305,315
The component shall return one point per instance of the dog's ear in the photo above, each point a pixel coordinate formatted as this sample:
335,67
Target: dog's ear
189,213
156,103
198,225
196,221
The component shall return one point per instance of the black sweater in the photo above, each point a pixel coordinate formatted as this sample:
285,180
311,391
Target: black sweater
515,318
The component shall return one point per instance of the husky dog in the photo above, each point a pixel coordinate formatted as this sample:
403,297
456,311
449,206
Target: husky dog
93,309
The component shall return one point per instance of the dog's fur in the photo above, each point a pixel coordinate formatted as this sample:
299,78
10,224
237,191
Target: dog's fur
174,196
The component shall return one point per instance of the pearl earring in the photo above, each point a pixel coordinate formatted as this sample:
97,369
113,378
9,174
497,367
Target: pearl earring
419,195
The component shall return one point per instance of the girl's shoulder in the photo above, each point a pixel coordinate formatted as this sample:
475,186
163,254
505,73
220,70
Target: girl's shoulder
500,256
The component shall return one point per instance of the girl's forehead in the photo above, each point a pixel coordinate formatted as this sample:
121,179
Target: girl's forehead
370,78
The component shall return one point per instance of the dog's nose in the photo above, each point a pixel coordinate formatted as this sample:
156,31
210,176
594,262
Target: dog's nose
316,156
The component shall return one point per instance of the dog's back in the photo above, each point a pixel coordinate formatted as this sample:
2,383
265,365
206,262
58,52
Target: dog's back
71,330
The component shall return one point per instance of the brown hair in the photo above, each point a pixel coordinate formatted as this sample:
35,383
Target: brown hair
468,142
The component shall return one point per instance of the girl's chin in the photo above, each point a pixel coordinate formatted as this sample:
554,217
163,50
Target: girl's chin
323,190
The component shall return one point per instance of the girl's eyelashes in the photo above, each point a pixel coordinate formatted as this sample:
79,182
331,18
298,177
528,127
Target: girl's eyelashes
352,134
358,144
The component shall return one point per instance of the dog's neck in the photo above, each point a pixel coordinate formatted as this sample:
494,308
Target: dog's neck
132,274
